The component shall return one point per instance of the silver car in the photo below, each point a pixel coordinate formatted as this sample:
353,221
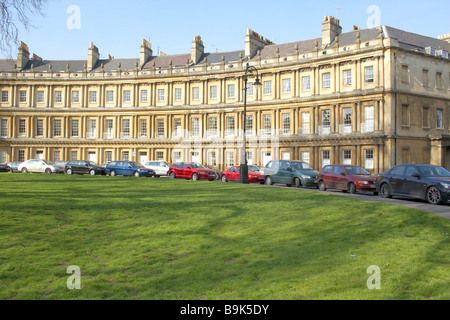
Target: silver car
161,168
40,166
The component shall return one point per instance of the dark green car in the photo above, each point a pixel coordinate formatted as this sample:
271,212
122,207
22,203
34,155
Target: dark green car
290,173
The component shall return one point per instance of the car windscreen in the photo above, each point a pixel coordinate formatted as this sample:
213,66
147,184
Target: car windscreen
357,171
196,166
301,166
137,165
253,169
51,163
92,163
431,171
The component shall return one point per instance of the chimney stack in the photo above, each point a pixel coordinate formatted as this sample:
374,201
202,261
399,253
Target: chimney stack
254,42
23,56
93,57
330,30
198,49
445,37
146,52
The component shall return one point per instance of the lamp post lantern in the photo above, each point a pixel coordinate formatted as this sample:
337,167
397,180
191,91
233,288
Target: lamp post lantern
243,176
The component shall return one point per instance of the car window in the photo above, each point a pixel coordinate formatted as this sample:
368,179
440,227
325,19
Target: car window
397,171
269,165
431,171
233,170
357,171
410,170
338,170
327,169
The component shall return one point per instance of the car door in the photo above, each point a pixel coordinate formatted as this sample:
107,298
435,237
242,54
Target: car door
339,178
412,184
395,177
234,174
326,176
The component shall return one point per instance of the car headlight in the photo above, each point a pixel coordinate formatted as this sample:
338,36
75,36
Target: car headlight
363,182
203,172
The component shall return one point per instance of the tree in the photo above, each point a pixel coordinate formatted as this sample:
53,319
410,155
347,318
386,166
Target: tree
14,13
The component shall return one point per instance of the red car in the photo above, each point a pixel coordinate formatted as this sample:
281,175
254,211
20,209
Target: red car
191,170
346,178
233,173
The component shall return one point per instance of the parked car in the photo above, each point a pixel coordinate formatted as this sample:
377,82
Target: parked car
218,172
3,168
297,173
61,163
128,168
13,166
191,170
160,167
40,166
233,174
84,167
426,182
346,178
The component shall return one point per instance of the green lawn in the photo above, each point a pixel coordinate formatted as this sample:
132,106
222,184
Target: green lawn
159,239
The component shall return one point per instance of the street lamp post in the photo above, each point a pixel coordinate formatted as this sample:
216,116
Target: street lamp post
243,176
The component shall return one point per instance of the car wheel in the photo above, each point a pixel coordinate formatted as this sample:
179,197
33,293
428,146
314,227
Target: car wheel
113,173
224,178
434,196
322,186
136,174
297,182
69,172
352,188
48,171
24,170
195,177
385,191
269,181
92,172
172,175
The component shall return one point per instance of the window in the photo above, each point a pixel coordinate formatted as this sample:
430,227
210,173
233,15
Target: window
267,88
369,119
230,126
212,159
126,96
143,128
306,83
39,127
286,123
92,129
160,156
405,115
110,96
347,77
160,128
57,156
425,117
439,80
325,158
40,96
213,92
75,97
231,93
4,128
125,128
306,123
425,80
405,74
250,89
368,159
177,126
5,96
306,157
326,120
75,128
230,159
125,156
93,96
326,80
109,124
212,126
3,156
439,117
286,85
177,94
196,93
22,127
195,127
21,156
144,95
249,126
347,157
177,156
267,124
286,156
368,74
73,155
347,119
161,95
108,156
58,96
22,96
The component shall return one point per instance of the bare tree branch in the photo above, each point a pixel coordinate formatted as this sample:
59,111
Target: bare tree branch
14,13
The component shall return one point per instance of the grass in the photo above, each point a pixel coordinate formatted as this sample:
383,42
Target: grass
159,239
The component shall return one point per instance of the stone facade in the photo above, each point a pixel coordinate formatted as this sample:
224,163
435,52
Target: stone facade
372,97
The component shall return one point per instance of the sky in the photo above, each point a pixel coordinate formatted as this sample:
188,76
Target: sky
117,27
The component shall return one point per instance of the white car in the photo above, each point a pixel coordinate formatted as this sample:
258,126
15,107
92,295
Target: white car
161,167
40,166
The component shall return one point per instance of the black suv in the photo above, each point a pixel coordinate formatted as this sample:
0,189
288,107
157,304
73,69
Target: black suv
84,167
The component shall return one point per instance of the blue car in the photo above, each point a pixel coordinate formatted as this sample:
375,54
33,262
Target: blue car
128,168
